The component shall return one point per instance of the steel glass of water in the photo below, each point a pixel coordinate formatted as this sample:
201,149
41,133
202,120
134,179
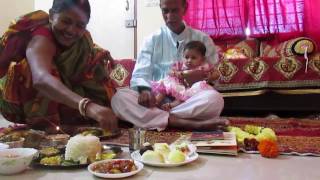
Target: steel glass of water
136,138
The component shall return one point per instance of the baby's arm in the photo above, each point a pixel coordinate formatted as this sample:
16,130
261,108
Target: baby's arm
213,75
192,76
176,73
176,70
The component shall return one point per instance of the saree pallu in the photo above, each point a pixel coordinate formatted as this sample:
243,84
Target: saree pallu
81,68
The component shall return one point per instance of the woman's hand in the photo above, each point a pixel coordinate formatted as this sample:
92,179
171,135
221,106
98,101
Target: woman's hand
109,59
103,115
147,99
108,62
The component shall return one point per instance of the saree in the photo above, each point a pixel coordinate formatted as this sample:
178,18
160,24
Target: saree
82,68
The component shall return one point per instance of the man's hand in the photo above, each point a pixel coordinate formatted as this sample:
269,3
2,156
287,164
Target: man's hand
147,99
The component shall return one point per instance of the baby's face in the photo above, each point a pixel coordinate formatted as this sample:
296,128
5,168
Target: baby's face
193,58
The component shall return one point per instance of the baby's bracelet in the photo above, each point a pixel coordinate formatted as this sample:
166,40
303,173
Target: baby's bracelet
184,73
83,106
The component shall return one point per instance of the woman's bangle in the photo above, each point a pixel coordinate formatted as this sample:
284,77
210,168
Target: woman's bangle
85,108
83,105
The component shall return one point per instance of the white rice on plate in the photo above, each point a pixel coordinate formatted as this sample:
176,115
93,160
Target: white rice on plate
83,149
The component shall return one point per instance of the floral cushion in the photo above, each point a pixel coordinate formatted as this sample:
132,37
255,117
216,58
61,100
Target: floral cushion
297,46
121,73
235,53
314,63
243,49
292,66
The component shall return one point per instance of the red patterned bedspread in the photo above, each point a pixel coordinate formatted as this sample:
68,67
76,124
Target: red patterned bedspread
265,73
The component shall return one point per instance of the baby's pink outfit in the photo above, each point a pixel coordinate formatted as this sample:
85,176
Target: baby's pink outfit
173,86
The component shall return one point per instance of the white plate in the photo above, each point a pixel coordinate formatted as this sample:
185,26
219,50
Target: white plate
4,146
138,164
192,156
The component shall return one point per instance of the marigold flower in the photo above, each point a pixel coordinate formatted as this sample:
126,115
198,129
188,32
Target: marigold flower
268,148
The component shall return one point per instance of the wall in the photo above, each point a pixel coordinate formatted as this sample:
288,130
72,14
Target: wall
107,26
42,5
149,19
6,16
8,13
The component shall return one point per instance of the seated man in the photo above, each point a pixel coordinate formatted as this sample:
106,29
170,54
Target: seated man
160,51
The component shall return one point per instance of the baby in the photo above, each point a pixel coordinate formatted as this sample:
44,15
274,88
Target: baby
176,86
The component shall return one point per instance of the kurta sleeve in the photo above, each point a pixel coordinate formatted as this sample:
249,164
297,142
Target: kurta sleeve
142,73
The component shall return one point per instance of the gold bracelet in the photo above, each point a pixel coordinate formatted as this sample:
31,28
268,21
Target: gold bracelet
183,74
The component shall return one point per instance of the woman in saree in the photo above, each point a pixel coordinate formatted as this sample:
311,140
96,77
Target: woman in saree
52,73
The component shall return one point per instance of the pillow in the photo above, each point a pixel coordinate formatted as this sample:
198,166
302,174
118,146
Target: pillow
315,62
250,47
120,74
243,49
288,48
300,44
234,53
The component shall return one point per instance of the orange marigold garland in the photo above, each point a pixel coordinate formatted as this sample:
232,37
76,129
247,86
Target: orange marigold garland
268,148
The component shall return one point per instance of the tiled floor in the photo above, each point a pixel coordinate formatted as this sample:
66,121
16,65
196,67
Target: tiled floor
206,167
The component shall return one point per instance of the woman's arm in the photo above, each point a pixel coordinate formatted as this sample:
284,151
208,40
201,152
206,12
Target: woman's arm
40,54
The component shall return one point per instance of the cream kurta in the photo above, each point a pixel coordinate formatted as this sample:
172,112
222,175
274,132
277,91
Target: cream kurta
157,55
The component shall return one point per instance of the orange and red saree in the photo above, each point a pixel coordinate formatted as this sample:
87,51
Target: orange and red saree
81,68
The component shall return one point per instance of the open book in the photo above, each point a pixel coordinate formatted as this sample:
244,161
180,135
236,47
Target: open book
223,143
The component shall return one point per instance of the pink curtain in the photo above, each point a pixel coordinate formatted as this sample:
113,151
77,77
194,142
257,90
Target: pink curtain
221,19
281,19
312,20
